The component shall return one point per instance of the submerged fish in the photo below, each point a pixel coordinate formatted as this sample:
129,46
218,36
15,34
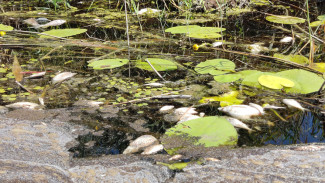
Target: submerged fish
153,149
24,105
140,144
292,103
243,111
236,123
62,76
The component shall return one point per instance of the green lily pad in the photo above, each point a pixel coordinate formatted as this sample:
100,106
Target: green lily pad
284,19
157,63
200,35
217,72
108,63
293,58
275,82
207,131
227,78
6,27
63,32
183,29
305,81
210,65
195,31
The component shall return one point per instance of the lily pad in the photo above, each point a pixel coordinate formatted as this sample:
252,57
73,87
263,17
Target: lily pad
200,35
293,58
183,29
6,27
227,78
284,19
207,131
108,63
195,31
63,32
318,67
210,65
217,72
305,81
157,63
225,99
275,82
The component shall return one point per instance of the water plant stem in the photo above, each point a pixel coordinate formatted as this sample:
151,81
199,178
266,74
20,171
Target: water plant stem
154,69
127,34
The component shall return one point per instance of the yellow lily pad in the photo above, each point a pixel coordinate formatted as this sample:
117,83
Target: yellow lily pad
275,82
225,99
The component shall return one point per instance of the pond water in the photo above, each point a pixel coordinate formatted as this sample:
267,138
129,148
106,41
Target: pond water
131,108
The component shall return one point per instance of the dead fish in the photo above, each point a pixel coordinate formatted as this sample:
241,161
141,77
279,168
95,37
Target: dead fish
176,157
88,103
216,44
268,106
286,39
62,76
148,11
236,123
154,84
242,111
36,75
166,109
32,22
292,103
24,105
187,117
140,143
153,149
185,110
52,23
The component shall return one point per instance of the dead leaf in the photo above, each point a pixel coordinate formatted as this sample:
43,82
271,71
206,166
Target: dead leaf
16,70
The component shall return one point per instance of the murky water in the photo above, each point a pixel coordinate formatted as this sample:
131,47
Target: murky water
106,36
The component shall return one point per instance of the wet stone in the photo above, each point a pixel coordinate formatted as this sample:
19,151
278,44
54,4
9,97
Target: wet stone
3,109
138,125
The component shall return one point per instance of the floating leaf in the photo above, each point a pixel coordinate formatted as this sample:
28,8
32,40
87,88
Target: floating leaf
321,17
284,19
305,81
318,67
227,78
108,63
217,72
200,35
183,29
252,79
16,70
210,65
317,23
157,63
226,99
274,82
208,131
195,31
63,32
6,27
293,58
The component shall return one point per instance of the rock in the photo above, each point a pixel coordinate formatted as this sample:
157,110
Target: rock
3,109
